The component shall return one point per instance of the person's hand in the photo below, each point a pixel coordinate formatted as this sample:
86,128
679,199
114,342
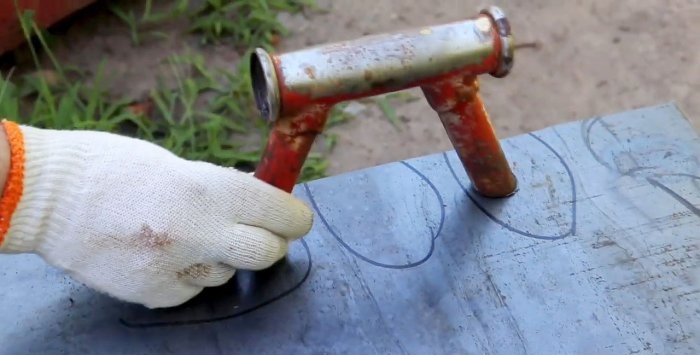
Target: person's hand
129,218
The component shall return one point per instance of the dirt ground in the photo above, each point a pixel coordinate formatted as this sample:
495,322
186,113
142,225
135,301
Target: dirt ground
596,57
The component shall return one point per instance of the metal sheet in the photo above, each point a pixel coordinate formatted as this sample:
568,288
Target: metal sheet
597,253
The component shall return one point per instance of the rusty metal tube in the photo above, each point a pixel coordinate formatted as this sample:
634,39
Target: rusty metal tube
294,91
458,104
379,64
289,144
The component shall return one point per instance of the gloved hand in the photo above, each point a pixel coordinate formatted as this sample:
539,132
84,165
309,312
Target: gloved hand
128,218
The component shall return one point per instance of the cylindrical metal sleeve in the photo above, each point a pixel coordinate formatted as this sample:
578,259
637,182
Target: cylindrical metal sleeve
458,103
288,146
382,63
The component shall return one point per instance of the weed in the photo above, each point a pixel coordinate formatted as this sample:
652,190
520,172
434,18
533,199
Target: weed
46,98
384,102
136,23
245,23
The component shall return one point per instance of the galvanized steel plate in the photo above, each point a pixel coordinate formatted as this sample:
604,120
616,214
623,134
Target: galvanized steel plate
596,254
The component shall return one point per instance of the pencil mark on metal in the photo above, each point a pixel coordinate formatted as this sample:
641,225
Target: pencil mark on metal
675,195
503,304
695,177
433,237
258,306
608,128
586,135
636,170
572,229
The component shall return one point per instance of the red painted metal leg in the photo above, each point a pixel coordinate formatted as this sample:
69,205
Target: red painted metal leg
288,146
457,102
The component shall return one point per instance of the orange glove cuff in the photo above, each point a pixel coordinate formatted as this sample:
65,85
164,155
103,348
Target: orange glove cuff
14,184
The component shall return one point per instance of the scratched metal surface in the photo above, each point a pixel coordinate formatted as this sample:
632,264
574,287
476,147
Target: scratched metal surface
597,254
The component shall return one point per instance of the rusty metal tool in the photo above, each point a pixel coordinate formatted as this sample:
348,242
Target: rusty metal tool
295,91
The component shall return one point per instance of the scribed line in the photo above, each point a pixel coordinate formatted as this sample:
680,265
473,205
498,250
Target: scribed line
695,177
586,133
571,182
676,196
434,234
572,229
232,315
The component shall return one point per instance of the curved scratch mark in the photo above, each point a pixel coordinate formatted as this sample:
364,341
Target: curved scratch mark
433,237
572,229
687,204
586,135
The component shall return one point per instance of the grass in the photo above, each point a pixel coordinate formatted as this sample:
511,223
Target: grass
201,117
244,22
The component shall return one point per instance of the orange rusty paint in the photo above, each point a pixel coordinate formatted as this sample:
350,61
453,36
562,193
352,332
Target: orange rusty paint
46,13
288,146
462,112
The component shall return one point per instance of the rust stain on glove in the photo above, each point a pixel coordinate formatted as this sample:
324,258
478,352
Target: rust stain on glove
152,239
195,271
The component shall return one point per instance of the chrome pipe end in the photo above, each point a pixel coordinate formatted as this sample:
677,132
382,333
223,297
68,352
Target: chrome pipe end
265,85
503,29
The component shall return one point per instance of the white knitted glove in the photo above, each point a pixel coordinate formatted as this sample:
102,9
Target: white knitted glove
130,219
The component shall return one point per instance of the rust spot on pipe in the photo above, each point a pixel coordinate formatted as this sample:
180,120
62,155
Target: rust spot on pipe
310,72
